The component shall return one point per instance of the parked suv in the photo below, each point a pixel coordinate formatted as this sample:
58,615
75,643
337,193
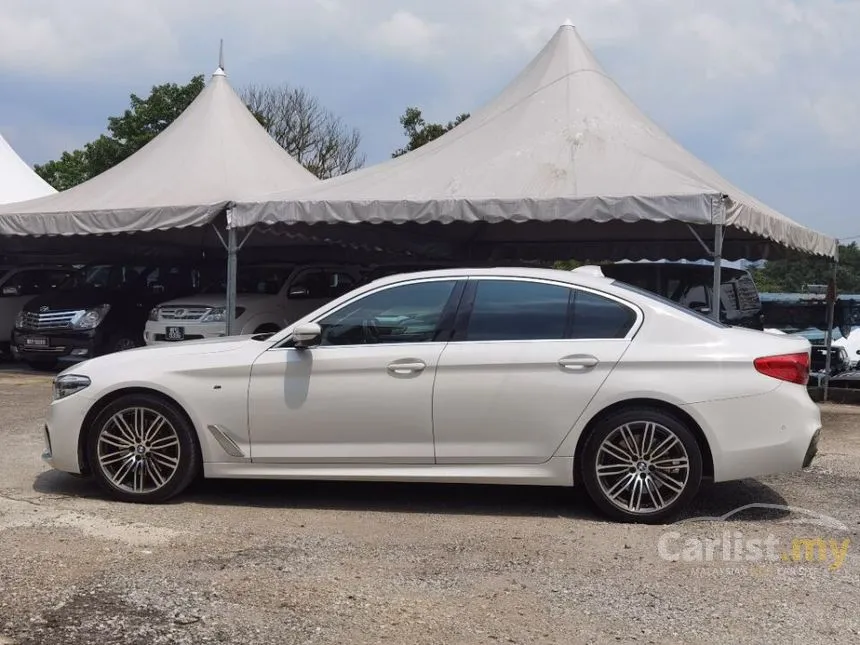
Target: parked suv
691,285
20,284
100,309
268,298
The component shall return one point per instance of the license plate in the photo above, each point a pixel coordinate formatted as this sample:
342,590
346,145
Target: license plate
175,333
36,341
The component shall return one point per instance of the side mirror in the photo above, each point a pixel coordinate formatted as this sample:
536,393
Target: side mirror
306,335
298,292
11,291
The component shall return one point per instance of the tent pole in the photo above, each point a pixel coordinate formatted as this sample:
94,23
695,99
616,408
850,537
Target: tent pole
232,257
828,338
718,268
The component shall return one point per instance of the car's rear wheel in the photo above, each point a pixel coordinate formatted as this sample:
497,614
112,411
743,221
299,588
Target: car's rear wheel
641,465
143,449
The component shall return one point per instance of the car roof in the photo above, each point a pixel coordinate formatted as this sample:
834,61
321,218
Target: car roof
580,277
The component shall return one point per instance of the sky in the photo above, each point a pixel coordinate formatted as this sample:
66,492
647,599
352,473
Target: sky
765,91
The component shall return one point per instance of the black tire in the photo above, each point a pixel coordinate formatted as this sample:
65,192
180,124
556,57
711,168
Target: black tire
268,328
187,452
635,420
122,341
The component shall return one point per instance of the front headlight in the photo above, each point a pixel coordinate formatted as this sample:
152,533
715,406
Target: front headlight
91,318
20,320
153,314
68,384
219,314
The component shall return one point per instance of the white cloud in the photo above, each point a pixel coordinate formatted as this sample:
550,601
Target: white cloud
405,34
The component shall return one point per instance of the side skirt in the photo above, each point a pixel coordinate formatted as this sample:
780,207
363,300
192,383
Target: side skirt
558,471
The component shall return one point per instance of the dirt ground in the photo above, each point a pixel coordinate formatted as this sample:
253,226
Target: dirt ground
281,562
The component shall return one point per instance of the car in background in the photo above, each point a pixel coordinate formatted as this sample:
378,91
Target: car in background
99,309
691,285
268,298
505,376
18,284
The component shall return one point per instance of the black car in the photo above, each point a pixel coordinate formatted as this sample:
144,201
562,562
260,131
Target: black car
839,361
100,309
691,285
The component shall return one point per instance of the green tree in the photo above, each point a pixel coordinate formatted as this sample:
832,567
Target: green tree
419,132
794,273
127,134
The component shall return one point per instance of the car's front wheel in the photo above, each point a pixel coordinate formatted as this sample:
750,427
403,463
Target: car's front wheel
641,465
142,448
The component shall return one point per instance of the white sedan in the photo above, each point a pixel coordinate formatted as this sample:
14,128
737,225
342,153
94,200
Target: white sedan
508,376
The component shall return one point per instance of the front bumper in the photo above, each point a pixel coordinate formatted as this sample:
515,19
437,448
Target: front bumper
156,332
65,346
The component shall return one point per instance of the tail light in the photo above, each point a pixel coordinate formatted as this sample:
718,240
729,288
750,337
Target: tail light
785,367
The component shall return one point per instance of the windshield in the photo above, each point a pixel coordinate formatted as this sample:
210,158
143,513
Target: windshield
111,277
267,280
668,303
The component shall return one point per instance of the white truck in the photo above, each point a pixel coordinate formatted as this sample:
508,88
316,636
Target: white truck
268,298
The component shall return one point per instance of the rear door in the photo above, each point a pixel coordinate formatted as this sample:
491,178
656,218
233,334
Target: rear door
526,358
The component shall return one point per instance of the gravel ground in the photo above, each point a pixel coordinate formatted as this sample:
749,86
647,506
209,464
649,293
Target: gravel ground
281,562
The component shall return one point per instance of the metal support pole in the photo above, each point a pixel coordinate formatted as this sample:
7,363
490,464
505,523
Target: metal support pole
232,265
828,336
718,268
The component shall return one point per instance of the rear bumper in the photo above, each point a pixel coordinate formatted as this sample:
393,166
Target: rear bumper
812,450
754,436
62,346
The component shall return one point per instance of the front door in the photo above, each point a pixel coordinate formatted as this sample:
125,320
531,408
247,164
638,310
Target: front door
522,368
364,395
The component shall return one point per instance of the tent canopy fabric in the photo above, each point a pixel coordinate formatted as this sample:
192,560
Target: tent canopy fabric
17,180
213,152
561,144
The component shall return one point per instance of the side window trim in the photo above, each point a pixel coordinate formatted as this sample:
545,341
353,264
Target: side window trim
468,301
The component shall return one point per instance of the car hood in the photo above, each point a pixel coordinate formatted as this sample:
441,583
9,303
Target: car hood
218,300
178,354
74,300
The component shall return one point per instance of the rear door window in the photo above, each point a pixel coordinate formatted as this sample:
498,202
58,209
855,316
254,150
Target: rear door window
598,317
518,310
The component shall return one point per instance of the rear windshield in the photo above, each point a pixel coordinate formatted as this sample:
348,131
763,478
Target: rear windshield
668,303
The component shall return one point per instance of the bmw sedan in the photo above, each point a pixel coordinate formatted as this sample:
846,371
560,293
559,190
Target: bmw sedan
505,376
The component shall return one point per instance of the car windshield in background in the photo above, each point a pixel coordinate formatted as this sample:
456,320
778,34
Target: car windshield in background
668,302
111,277
260,280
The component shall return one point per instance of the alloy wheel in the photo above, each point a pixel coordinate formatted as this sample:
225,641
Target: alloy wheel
138,450
642,467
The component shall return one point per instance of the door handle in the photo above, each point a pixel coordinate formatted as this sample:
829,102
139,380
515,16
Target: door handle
406,367
578,362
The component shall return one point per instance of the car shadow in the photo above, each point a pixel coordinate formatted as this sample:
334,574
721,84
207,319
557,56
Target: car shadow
447,499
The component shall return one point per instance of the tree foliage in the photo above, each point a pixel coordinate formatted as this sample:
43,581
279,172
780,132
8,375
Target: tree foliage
127,134
314,136
419,132
794,273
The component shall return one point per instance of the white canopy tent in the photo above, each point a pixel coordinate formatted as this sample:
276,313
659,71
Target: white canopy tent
561,143
215,151
17,180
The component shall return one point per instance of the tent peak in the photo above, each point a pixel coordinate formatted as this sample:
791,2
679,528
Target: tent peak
220,71
567,23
